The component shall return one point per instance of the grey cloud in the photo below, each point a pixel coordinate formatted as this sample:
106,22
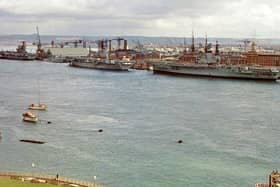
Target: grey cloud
146,17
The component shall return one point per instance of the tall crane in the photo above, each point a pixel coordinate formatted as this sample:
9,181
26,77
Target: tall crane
75,42
39,45
246,43
119,39
40,54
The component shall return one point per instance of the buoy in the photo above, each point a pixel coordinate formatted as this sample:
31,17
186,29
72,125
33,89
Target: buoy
100,130
180,141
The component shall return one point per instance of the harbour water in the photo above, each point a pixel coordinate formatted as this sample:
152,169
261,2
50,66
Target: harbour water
230,128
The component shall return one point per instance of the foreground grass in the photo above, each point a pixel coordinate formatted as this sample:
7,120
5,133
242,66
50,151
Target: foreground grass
17,183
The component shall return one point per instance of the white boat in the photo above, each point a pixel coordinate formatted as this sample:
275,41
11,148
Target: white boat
29,117
38,107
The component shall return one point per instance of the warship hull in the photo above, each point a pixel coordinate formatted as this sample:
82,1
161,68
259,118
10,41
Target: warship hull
118,66
231,72
22,58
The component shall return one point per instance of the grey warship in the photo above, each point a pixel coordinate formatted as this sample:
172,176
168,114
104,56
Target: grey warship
207,64
102,64
216,70
105,58
19,54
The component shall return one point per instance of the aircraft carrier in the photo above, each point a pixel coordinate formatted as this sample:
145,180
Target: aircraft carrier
221,71
208,64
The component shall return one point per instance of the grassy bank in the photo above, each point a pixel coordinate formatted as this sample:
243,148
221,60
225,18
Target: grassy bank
18,183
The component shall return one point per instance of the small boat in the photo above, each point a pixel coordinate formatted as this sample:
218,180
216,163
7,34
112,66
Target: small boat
38,107
29,117
32,141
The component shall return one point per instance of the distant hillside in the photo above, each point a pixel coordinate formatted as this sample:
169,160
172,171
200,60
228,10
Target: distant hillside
134,40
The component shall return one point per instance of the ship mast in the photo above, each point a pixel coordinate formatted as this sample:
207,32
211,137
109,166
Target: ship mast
185,46
193,47
206,43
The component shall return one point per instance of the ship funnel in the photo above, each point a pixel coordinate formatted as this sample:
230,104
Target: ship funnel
110,47
119,43
52,44
217,52
125,44
206,45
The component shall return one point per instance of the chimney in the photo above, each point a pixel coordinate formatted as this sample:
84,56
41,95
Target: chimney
125,44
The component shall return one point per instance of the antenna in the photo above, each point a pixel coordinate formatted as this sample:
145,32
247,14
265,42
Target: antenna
206,43
185,46
193,47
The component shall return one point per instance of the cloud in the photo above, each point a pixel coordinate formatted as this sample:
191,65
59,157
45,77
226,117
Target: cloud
222,18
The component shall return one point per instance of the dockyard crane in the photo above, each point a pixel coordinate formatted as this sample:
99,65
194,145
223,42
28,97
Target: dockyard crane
119,39
75,42
246,43
40,54
38,37
138,45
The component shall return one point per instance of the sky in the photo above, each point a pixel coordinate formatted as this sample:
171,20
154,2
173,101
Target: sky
175,18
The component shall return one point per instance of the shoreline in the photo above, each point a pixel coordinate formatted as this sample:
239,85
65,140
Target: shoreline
43,178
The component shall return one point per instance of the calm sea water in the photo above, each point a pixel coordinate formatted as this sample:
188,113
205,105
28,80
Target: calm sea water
230,128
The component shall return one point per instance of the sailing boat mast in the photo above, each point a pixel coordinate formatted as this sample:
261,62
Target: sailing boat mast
39,92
